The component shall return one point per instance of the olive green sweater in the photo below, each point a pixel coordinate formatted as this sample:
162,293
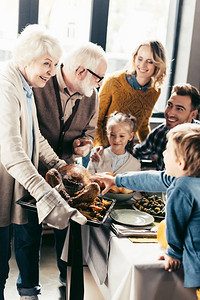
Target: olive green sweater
117,95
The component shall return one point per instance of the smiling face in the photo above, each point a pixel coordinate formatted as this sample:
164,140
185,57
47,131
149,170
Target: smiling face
144,65
90,81
38,72
118,136
179,111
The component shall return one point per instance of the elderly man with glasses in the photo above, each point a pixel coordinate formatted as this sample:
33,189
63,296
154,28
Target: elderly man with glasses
68,105
67,110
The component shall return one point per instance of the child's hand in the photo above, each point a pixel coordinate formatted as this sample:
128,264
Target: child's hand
107,180
96,153
171,263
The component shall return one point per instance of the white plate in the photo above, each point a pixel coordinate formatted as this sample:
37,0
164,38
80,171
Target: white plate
131,217
119,197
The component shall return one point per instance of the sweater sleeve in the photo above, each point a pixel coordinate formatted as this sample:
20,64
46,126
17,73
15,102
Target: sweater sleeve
17,163
144,127
178,214
105,101
144,130
148,181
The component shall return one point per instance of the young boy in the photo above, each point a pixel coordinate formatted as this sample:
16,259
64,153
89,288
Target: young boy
181,181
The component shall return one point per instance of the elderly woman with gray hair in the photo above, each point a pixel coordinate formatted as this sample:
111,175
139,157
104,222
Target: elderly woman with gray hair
34,62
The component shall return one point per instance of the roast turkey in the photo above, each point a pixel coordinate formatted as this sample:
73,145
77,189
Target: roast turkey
73,183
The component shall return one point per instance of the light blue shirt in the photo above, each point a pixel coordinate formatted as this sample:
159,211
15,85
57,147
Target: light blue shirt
29,101
182,215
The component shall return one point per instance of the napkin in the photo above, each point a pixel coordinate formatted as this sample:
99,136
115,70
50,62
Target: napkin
136,231
99,248
143,240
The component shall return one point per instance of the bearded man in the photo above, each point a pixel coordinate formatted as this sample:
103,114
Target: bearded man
182,107
68,105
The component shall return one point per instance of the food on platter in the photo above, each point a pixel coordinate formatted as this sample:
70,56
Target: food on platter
73,184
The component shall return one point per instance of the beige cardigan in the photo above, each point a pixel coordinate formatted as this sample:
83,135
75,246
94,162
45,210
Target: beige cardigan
17,172
104,165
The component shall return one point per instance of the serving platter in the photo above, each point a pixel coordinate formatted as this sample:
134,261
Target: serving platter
28,202
131,217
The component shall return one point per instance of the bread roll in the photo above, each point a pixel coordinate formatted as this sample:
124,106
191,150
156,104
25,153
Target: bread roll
118,190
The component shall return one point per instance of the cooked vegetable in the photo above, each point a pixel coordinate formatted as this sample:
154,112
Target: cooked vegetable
153,205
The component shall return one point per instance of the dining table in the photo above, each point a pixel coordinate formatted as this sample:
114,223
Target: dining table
123,260
127,268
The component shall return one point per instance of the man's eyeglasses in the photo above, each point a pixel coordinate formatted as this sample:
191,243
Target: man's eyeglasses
100,78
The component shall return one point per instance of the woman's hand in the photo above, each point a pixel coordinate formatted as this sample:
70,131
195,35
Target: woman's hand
171,263
96,153
107,180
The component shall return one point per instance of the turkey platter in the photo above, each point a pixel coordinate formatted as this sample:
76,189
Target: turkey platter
74,185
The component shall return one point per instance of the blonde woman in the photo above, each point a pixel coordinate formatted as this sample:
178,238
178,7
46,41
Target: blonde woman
134,90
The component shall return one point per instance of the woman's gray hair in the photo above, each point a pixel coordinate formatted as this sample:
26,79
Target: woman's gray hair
34,42
87,55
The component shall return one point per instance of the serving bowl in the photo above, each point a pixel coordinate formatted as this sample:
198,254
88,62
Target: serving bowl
151,203
119,197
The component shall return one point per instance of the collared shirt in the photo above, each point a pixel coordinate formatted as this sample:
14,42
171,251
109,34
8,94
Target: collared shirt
132,81
67,100
117,160
154,144
29,101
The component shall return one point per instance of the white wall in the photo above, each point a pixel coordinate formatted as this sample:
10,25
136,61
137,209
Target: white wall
194,63
188,60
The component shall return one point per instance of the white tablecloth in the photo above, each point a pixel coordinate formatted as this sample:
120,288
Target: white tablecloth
134,272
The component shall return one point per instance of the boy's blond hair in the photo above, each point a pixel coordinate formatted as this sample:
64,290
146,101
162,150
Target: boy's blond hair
186,139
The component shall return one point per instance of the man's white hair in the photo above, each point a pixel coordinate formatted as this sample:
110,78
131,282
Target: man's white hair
34,42
87,55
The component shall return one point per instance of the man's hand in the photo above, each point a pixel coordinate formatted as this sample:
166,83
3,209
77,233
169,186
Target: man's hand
171,263
96,153
82,146
107,180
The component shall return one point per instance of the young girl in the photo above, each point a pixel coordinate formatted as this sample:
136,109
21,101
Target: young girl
117,158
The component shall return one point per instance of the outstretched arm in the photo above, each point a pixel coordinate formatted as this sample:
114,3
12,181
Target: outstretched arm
148,181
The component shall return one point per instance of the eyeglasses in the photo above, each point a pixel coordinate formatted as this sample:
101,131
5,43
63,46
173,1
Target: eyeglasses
100,78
